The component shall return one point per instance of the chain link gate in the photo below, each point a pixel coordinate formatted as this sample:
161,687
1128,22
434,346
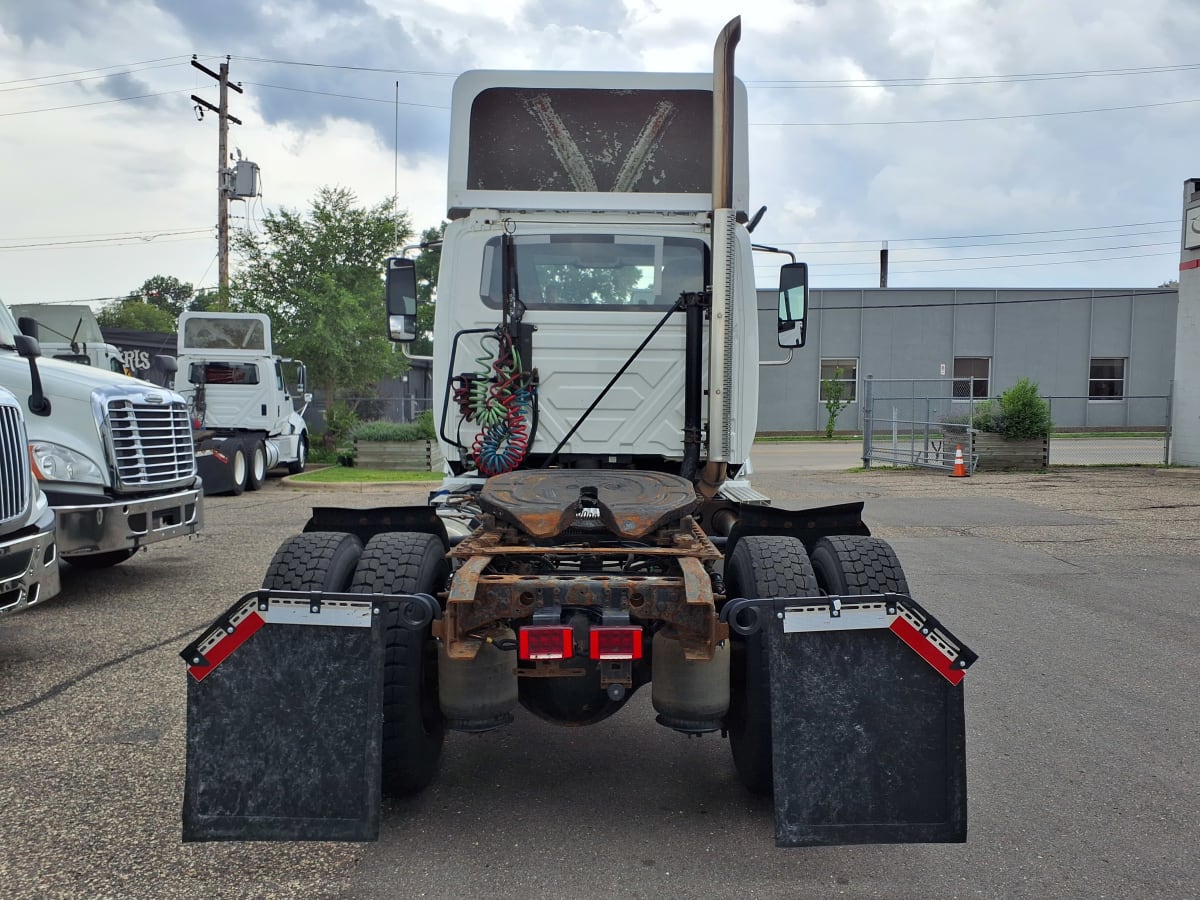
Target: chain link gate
923,421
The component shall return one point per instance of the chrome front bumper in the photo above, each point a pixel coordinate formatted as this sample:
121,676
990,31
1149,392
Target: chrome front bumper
103,528
29,567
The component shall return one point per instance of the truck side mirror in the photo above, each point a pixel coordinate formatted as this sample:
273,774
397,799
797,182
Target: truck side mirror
28,326
793,303
29,348
401,290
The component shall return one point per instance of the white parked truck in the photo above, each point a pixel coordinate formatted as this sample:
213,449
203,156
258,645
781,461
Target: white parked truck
70,332
242,399
113,455
28,555
596,346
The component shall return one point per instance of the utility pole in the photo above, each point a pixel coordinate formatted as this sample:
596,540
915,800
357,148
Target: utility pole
883,265
223,120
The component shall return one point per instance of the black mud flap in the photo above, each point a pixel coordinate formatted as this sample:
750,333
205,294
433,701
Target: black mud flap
284,719
867,719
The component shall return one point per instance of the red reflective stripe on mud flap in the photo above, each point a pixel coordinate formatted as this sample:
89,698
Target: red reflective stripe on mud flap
226,646
918,642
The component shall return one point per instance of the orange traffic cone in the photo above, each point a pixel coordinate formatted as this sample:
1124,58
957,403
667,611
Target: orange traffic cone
960,470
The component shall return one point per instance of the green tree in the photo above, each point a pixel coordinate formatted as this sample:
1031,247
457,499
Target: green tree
132,313
205,300
428,261
319,276
834,391
166,292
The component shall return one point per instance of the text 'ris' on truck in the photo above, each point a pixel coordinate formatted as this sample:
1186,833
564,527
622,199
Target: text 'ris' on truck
113,455
596,345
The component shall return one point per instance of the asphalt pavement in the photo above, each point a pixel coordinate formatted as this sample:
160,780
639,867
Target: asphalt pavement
1076,587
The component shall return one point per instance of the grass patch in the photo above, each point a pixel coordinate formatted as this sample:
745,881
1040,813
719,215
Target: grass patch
343,475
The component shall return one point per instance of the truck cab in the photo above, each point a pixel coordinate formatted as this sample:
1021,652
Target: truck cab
584,238
113,455
596,351
243,399
70,332
28,555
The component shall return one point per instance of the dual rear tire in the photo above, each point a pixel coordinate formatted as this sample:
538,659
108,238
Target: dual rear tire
779,566
398,563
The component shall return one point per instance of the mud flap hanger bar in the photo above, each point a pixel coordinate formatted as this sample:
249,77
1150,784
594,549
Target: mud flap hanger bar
255,609
898,613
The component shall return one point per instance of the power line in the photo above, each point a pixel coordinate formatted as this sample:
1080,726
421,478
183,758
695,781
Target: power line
956,237
1091,237
87,245
111,240
950,80
88,234
314,65
1062,262
1038,115
129,71
902,261
29,112
280,87
900,81
96,69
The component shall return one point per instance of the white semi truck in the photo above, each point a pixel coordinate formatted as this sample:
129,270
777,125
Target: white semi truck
28,555
70,332
243,399
596,347
113,455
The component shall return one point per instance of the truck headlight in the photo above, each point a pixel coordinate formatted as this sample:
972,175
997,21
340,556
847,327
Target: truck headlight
53,462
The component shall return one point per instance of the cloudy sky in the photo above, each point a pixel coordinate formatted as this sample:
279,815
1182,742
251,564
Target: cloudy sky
1004,143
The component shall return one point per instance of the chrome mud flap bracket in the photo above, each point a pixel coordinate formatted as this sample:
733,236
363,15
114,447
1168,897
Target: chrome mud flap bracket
284,717
867,720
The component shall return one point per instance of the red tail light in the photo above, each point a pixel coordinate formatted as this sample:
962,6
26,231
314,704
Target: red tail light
546,642
616,642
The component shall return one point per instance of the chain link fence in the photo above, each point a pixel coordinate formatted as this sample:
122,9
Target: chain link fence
378,408
923,421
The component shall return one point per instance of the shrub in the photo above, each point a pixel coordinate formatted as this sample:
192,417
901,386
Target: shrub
425,421
987,417
389,431
1019,414
1025,414
340,420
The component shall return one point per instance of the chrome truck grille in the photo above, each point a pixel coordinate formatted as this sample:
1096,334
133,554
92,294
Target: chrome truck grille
152,443
15,474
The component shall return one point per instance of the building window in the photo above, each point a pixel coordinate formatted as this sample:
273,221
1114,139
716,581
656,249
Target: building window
1106,380
843,372
968,367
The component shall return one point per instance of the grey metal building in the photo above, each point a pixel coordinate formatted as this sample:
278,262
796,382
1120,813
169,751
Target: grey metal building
1105,357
